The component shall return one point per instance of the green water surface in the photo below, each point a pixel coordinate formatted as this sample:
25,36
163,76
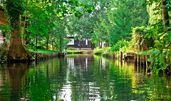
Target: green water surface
81,78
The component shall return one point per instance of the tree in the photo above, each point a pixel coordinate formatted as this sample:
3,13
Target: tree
165,15
117,18
17,52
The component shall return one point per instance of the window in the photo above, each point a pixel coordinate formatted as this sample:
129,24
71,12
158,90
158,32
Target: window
71,42
86,41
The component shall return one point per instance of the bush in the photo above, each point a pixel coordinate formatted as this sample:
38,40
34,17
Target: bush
100,51
120,44
3,53
160,59
140,38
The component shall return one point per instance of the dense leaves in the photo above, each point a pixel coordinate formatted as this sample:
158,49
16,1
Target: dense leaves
15,8
145,23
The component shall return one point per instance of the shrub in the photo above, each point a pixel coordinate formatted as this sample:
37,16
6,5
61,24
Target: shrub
120,44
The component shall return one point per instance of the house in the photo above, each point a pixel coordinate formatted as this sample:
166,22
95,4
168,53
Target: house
82,44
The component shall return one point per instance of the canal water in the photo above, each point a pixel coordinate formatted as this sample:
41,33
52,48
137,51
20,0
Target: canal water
81,78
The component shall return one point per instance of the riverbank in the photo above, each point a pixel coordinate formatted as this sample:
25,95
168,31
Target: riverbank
34,54
127,56
79,51
43,54
143,59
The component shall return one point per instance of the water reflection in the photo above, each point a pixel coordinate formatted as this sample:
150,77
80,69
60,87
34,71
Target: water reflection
12,82
81,78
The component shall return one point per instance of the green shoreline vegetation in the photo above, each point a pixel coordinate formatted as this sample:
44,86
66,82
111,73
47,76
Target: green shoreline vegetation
129,26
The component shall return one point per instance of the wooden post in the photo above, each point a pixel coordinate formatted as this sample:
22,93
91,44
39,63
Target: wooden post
137,60
36,48
121,58
146,64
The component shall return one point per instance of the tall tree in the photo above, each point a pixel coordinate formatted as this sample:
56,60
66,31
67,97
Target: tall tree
118,17
15,9
165,14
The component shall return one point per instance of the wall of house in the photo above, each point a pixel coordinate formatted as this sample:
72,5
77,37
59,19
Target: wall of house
83,44
80,43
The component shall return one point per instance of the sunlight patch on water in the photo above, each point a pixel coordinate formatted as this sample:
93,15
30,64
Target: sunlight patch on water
65,93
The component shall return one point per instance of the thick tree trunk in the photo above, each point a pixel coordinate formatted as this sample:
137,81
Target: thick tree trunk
17,75
17,51
165,15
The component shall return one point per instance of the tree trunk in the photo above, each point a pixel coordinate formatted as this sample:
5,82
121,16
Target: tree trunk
165,15
52,46
17,76
17,51
100,44
60,43
47,42
36,49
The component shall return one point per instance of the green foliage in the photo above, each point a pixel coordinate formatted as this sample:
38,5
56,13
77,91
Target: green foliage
156,39
43,51
5,29
100,51
76,51
142,38
3,53
46,25
109,21
53,20
117,19
156,43
120,44
123,20
159,59
38,86
14,9
160,54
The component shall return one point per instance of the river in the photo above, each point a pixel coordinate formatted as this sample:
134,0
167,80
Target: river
81,78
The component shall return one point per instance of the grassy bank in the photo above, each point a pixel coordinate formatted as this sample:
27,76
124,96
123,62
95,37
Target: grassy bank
43,51
41,54
77,51
103,51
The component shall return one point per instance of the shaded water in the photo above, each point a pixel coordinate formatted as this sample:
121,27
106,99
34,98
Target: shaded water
81,78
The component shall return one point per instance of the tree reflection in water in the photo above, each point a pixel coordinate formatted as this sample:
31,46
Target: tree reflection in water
81,78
